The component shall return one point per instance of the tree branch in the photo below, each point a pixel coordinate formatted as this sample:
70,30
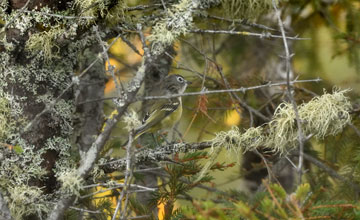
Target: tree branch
88,161
289,91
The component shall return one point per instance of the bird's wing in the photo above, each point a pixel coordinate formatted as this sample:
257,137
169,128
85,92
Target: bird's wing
158,112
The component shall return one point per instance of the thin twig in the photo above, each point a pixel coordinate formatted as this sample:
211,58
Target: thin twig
121,185
52,104
242,22
140,217
244,33
128,171
88,161
127,175
132,46
270,173
289,91
110,68
330,171
241,102
142,7
60,16
117,186
16,16
81,209
242,89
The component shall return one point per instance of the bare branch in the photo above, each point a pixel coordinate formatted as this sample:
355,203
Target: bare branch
289,90
244,33
242,22
16,16
60,16
110,68
329,170
128,174
242,89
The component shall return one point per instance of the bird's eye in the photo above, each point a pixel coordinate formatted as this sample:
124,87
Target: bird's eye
180,79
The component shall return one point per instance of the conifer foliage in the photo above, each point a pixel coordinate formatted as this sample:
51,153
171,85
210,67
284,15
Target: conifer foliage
269,126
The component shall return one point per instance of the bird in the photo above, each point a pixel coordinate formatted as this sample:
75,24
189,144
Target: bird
163,114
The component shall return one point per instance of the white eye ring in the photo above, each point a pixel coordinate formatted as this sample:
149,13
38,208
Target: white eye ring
180,79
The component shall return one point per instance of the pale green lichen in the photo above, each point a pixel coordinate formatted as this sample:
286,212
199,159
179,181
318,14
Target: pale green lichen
177,20
7,125
116,14
131,120
246,9
16,171
71,182
46,42
91,8
230,139
252,138
26,200
282,128
327,114
322,116
97,172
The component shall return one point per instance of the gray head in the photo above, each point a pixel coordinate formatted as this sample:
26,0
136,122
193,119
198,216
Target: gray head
175,84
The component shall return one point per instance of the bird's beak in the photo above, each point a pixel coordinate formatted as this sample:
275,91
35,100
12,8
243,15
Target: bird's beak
188,82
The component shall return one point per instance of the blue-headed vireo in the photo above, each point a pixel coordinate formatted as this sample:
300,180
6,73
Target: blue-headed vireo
163,114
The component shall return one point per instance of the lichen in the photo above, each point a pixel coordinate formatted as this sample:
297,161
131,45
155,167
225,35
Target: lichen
131,120
91,7
246,9
71,182
6,124
16,171
46,42
177,20
327,114
322,116
26,200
